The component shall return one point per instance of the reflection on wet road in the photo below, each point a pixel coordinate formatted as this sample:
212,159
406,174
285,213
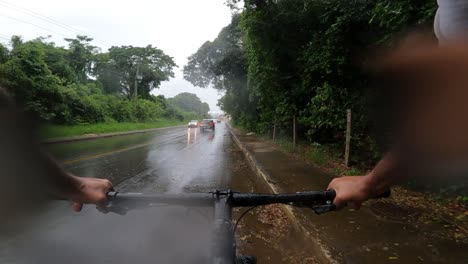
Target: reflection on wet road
170,160
173,160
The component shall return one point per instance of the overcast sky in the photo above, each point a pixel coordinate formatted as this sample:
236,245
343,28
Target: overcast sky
178,27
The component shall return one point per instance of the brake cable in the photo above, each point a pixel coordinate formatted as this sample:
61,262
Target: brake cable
241,216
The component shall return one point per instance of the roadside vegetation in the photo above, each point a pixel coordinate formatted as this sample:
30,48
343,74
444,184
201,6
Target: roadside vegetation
79,89
286,60
425,209
57,131
303,60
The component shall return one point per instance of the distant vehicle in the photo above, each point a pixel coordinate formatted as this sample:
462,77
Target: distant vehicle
207,124
193,123
218,121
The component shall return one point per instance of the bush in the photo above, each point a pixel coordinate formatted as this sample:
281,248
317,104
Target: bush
189,116
92,111
77,107
69,107
145,110
172,112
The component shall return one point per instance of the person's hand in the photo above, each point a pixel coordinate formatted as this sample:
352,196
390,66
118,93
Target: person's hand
351,191
89,191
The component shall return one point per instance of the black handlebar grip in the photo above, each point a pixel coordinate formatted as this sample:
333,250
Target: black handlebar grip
320,209
330,194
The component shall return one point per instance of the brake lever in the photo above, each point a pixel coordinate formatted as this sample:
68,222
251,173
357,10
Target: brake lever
318,209
110,207
321,209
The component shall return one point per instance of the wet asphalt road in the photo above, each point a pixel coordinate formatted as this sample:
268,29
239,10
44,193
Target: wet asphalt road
174,160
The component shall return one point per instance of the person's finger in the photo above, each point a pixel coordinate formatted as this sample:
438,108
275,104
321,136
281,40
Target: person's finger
77,207
108,185
332,184
339,203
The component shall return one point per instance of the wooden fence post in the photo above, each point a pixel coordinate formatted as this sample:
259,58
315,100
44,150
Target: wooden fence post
274,131
294,131
348,136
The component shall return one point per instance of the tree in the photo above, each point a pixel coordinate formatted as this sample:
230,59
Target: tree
28,78
189,102
222,64
283,58
58,61
80,56
4,54
137,70
55,83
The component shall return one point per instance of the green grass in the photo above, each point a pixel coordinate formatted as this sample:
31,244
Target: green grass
317,155
56,131
354,172
286,145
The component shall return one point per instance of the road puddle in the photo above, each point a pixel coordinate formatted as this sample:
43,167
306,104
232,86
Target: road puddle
266,232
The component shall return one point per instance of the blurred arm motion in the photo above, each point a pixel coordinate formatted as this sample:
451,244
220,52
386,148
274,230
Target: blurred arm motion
29,176
425,110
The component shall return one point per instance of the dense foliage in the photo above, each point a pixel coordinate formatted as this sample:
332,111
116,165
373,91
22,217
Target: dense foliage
189,102
280,59
80,84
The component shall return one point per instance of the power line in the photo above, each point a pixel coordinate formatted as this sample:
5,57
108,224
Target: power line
6,44
48,19
39,16
32,24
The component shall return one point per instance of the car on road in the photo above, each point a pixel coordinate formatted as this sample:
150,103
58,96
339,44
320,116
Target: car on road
207,124
218,121
193,123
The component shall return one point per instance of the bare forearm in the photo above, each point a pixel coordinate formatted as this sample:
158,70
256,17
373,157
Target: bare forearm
353,190
62,183
386,173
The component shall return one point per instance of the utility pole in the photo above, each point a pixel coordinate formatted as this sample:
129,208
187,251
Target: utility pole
135,94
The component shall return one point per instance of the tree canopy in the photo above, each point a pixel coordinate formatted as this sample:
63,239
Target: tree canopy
190,102
304,58
134,71
80,84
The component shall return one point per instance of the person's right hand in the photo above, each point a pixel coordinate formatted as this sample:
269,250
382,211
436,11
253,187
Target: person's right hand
351,191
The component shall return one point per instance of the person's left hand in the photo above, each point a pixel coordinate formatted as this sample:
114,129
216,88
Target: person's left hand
89,191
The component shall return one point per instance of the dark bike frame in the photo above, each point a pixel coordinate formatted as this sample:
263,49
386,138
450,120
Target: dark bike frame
223,249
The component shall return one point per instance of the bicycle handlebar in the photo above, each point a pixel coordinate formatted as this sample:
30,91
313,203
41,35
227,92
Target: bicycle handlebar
254,199
319,201
223,247
187,199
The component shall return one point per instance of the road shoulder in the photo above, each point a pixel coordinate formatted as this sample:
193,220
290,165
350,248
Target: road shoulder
382,231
